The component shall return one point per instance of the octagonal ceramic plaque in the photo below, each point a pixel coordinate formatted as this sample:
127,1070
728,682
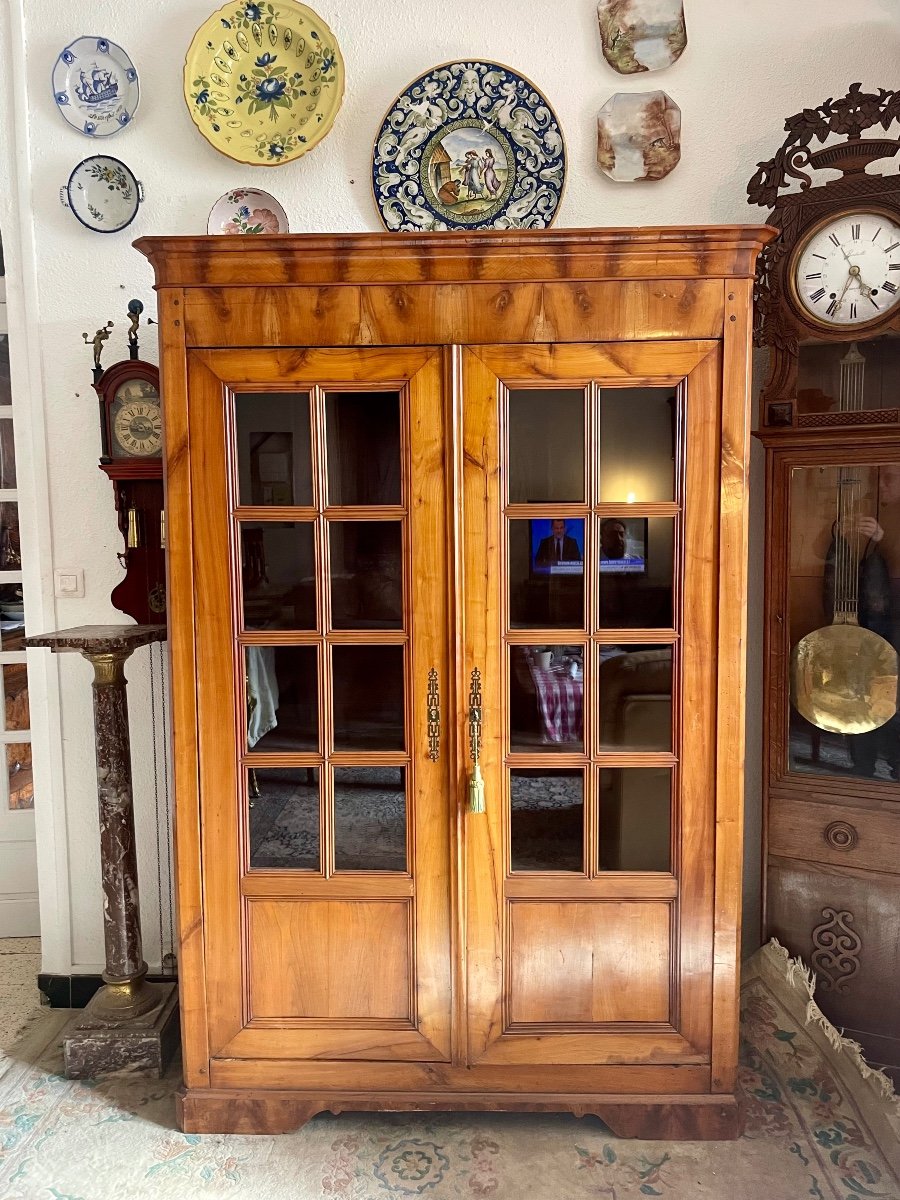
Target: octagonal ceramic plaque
641,35
638,136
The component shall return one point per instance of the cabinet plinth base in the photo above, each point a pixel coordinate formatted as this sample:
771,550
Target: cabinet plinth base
657,1118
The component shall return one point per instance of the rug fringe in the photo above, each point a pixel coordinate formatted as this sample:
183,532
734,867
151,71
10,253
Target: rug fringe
798,974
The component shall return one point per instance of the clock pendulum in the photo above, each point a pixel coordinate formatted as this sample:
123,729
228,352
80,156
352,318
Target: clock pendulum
844,677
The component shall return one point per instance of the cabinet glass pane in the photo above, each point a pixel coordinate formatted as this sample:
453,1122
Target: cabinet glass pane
635,819
273,448
284,818
637,445
366,574
635,562
21,780
278,566
7,454
369,819
546,685
635,698
15,688
546,445
282,698
819,374
845,563
10,546
547,820
368,689
546,573
5,387
362,432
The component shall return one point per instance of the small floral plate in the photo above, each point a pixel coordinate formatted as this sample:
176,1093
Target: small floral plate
263,82
103,194
95,86
247,210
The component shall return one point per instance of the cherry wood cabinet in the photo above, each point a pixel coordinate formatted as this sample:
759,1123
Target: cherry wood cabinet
456,531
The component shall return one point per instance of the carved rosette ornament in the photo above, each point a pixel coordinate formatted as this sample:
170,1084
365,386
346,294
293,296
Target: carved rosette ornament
797,184
836,950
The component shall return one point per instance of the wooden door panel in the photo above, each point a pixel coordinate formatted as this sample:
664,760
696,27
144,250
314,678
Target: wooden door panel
588,963
598,964
331,958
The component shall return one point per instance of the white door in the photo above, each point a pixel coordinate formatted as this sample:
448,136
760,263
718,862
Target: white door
18,860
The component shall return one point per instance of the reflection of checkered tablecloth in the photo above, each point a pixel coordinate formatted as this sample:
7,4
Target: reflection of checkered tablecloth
560,700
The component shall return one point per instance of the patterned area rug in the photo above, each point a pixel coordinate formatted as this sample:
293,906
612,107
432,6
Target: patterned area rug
819,1125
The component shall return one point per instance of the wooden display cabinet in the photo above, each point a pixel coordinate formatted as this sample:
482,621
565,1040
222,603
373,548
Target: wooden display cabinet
458,517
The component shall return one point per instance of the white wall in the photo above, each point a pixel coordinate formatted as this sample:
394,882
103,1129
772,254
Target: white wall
749,63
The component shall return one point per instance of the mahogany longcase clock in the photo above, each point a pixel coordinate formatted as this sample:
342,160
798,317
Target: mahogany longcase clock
828,310
131,457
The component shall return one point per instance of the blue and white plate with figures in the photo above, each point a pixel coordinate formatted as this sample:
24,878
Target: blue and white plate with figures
469,145
96,86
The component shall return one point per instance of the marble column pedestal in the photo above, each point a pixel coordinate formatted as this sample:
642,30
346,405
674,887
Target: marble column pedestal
129,1022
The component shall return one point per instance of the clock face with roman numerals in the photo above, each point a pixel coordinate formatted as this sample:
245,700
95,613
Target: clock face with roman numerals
136,420
846,272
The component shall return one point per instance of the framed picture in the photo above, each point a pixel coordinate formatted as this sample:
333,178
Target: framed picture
623,546
557,546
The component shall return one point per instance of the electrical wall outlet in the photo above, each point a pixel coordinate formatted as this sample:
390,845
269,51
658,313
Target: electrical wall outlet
68,584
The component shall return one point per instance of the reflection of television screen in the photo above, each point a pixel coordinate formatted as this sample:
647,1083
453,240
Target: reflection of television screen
557,551
623,546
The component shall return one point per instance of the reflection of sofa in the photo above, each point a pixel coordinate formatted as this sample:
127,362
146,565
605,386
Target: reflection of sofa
636,714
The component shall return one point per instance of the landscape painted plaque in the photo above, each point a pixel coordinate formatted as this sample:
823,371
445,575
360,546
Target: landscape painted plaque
638,136
641,35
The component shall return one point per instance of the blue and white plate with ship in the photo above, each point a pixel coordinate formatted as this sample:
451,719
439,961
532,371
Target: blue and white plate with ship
469,145
96,86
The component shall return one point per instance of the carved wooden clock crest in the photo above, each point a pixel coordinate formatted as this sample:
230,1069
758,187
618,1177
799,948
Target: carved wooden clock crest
834,273
131,456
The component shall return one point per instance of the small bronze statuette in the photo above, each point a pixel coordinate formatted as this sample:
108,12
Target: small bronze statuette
101,336
135,308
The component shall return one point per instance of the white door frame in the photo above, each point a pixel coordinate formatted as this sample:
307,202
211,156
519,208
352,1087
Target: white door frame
46,825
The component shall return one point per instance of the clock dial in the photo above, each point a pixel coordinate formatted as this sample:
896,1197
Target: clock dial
847,271
137,420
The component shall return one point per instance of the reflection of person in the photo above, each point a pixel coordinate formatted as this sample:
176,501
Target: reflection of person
612,539
491,182
472,174
558,547
878,612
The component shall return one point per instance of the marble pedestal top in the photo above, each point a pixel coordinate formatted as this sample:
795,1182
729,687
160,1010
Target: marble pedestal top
99,639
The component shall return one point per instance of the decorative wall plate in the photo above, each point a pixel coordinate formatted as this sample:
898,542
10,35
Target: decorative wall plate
95,86
469,145
263,82
247,210
638,136
103,194
641,35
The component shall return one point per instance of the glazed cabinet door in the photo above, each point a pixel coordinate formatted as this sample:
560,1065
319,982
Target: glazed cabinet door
320,590
591,501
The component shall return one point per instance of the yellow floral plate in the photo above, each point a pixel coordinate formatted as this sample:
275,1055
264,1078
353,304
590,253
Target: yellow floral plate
263,82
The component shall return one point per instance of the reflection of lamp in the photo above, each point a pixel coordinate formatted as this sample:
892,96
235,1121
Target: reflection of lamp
630,498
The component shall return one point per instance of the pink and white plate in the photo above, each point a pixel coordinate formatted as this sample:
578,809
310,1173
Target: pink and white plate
247,210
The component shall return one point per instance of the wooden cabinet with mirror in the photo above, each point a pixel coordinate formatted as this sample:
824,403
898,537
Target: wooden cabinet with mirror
457,541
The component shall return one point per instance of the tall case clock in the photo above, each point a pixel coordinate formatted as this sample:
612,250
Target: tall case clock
131,441
827,308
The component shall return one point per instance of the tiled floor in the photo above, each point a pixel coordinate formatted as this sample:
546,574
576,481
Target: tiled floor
20,1000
